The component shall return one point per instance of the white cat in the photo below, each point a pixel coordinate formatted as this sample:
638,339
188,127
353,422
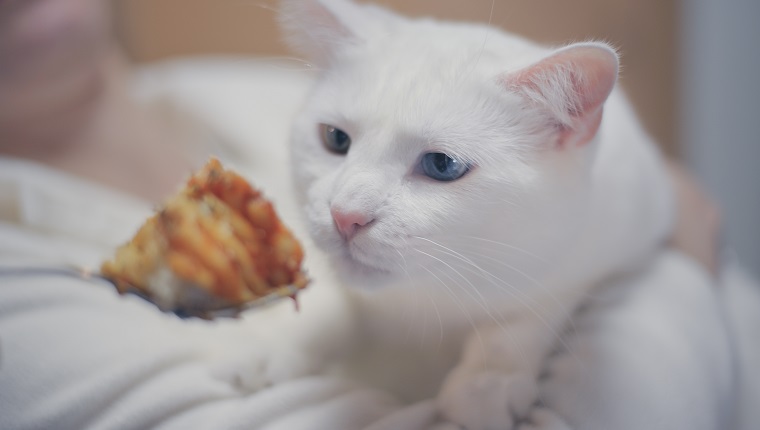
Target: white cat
473,188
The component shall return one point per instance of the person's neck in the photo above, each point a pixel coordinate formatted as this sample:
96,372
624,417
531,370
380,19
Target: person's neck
108,137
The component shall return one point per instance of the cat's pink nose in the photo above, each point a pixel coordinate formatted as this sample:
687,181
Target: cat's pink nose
348,222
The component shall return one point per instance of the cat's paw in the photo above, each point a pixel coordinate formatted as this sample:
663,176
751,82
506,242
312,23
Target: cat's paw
445,426
256,369
543,419
486,400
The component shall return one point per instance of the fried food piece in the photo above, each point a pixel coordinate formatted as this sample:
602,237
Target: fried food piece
217,244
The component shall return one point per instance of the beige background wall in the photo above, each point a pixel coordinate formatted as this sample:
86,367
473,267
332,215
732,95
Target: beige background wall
644,30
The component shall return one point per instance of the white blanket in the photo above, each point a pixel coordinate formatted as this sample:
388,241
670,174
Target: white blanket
74,355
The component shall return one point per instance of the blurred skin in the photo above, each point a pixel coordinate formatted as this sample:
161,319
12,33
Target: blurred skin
64,103
48,53
697,229
50,70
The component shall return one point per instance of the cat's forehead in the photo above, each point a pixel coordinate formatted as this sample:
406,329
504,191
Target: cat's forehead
425,66
426,87
451,47
404,86
405,103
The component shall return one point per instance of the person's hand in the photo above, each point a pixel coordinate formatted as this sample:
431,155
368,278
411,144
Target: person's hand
697,228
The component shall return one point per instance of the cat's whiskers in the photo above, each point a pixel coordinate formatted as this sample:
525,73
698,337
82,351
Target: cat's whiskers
414,316
499,283
409,314
461,307
523,298
488,31
507,248
403,264
505,245
566,311
423,333
485,40
482,302
498,322
271,8
459,256
469,262
405,268
532,280
440,320
276,10
470,250
544,289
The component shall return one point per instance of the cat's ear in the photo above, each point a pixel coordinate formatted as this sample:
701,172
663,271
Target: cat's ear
317,29
571,85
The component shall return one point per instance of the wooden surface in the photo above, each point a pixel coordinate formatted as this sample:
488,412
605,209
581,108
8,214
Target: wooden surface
643,30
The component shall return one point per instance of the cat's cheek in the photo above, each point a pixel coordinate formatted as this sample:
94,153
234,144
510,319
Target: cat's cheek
307,166
325,240
321,227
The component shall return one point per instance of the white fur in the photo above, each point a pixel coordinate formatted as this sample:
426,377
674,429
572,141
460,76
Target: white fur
474,279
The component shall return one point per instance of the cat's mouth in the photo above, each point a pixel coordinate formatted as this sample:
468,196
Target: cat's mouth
359,264
359,257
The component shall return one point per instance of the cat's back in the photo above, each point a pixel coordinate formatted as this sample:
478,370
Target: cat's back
633,206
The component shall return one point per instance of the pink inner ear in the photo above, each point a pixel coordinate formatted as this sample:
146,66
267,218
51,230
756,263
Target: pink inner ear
573,85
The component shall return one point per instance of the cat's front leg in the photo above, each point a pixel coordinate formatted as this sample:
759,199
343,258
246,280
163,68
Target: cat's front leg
486,400
277,345
494,385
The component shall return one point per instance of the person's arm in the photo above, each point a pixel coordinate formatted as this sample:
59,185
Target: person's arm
697,229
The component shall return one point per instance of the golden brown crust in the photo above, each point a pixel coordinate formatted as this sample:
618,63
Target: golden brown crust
218,234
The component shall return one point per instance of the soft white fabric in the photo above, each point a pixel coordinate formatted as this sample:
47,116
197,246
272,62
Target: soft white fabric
75,355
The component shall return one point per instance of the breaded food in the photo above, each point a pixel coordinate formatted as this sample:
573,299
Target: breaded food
218,243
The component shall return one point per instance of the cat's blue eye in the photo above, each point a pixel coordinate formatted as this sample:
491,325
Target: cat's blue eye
442,167
334,139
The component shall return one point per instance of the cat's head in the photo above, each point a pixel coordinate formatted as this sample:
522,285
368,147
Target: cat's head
426,143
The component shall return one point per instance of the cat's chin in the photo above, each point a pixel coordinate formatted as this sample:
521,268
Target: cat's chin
357,274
